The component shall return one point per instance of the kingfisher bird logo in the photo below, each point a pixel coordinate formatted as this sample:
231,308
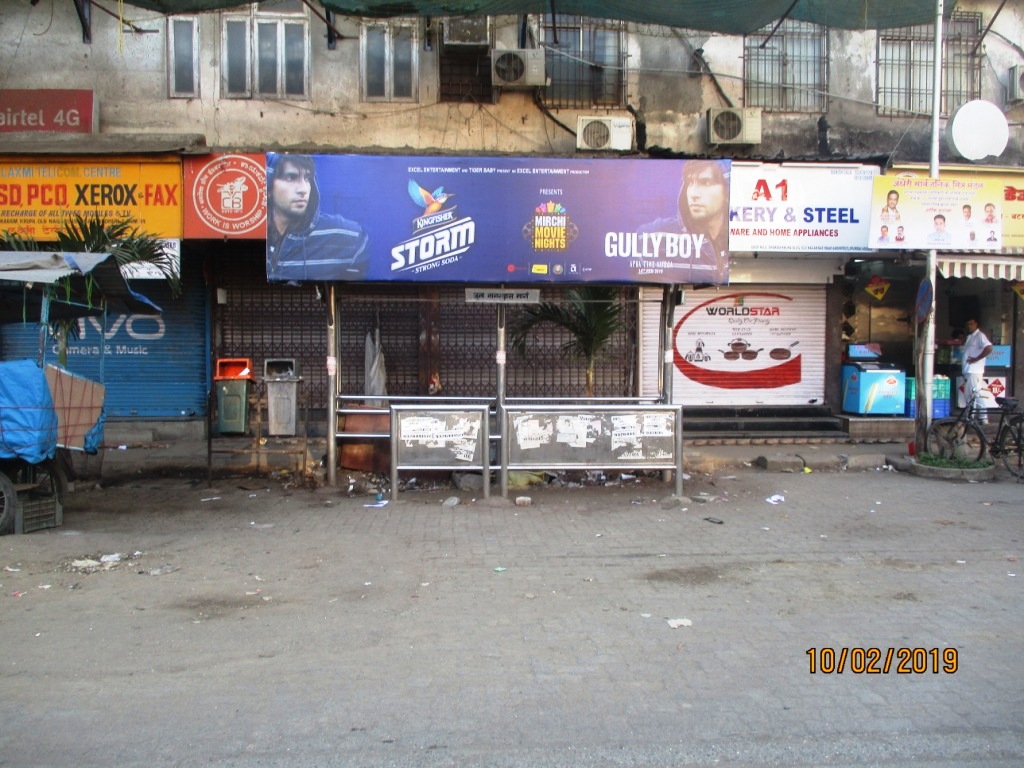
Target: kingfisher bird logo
432,202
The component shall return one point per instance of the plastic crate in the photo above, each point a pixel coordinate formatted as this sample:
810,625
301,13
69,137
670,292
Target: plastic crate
940,387
940,408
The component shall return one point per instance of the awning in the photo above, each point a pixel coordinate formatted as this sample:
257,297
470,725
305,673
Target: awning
91,281
1006,268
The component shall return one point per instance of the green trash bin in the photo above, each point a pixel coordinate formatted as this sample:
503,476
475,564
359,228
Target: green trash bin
232,380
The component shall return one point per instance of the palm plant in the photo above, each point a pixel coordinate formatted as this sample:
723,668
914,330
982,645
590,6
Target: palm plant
90,233
591,315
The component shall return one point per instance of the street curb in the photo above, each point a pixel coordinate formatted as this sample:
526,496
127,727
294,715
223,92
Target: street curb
981,474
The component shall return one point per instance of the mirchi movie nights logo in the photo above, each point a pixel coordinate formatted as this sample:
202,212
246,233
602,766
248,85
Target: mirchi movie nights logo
440,236
550,228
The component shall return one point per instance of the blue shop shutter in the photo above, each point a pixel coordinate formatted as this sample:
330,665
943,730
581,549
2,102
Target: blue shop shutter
153,367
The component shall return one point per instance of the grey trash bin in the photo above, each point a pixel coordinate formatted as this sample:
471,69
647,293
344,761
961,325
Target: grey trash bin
282,381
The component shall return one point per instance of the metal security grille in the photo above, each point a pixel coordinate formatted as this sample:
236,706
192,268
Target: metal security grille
905,58
418,324
395,311
467,341
786,69
585,62
546,370
269,321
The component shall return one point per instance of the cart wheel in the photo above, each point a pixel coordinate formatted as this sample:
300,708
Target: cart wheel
8,502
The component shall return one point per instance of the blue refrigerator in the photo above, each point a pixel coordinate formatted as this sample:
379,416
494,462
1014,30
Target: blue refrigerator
873,388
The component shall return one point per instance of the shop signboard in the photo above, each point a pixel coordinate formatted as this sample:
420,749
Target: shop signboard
910,211
497,219
47,110
226,196
791,207
36,197
991,388
1009,202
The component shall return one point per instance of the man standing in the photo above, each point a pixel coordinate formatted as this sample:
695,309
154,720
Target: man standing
303,242
976,348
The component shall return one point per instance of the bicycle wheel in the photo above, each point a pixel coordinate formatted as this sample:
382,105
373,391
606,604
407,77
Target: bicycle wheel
954,439
1010,446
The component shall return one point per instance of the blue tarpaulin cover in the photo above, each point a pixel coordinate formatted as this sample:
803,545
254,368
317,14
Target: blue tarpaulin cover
28,420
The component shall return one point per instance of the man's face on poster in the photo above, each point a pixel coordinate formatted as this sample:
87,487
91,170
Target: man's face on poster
705,196
292,185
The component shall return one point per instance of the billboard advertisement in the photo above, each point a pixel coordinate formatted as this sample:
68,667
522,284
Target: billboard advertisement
497,219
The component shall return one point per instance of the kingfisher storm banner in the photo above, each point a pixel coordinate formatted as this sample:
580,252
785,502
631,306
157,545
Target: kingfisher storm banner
488,220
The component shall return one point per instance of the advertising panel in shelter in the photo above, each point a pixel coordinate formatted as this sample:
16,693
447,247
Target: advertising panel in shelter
800,207
509,220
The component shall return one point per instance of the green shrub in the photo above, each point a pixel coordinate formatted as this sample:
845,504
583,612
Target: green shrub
954,463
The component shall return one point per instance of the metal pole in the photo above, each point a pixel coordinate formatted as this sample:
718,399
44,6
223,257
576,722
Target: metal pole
500,357
668,309
926,375
332,387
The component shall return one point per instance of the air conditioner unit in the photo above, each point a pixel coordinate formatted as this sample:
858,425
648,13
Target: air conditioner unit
518,67
595,133
734,126
467,30
1015,88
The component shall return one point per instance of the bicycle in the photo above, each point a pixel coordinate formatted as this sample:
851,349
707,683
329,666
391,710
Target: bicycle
962,437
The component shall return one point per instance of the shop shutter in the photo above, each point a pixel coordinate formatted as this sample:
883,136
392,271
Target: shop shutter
781,328
153,367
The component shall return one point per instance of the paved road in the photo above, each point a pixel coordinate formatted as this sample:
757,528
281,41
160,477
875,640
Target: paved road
263,627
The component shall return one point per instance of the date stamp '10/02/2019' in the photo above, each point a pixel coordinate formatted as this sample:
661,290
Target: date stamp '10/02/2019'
882,661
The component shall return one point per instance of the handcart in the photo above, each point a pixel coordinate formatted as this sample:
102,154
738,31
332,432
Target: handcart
46,410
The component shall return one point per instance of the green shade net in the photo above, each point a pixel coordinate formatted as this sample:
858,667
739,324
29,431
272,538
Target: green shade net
725,16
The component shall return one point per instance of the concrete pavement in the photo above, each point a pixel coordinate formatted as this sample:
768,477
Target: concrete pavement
252,624
133,457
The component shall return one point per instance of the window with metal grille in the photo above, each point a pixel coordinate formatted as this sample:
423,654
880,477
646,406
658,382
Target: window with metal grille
464,74
786,69
905,57
182,57
265,53
585,62
390,57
